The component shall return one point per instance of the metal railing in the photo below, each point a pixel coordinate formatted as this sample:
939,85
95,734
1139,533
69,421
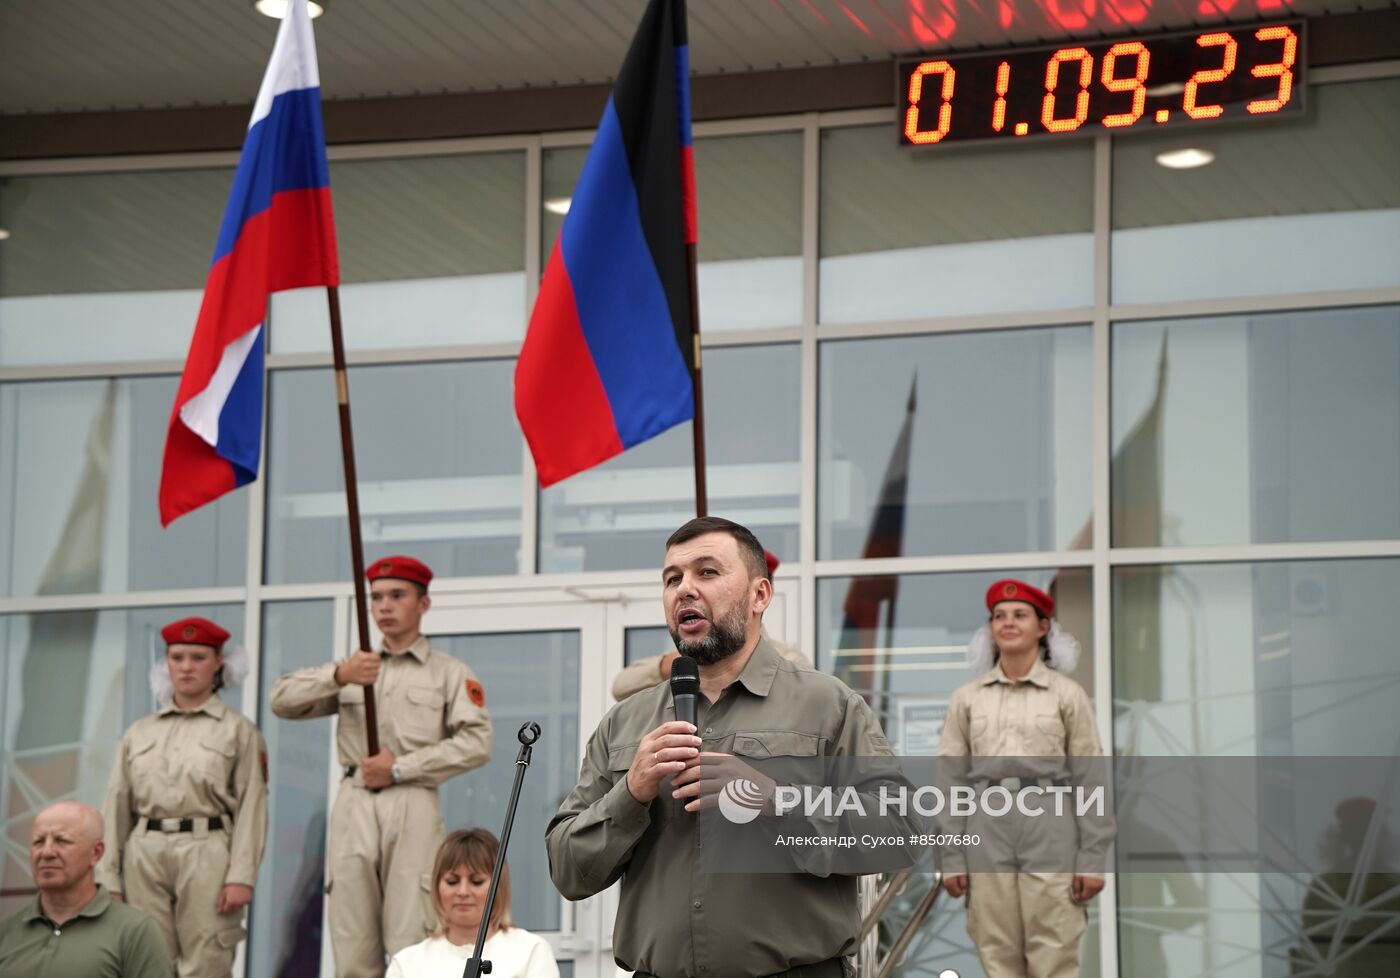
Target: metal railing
868,962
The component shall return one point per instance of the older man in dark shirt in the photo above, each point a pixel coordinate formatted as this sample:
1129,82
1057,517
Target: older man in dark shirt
74,929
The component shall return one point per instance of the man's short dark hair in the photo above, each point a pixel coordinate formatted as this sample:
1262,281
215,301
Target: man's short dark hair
749,548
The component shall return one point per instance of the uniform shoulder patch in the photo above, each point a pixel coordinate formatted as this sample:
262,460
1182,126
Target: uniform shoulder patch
476,693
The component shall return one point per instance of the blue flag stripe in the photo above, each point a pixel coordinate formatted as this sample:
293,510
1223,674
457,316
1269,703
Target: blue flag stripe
622,306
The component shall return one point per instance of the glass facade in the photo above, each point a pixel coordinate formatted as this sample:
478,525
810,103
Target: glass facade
1172,397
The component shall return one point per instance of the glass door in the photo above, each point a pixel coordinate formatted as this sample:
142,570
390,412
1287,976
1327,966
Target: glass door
541,662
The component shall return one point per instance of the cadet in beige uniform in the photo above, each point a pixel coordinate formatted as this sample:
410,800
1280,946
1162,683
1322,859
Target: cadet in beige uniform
387,823
644,773
646,673
186,806
1022,711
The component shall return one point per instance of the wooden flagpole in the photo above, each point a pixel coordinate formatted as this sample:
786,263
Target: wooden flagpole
352,506
697,426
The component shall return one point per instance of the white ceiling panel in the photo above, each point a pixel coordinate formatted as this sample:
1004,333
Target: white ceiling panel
74,55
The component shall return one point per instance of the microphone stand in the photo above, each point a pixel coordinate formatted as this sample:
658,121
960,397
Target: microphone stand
527,735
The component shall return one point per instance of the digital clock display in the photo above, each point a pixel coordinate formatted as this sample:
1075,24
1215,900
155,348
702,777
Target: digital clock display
1129,84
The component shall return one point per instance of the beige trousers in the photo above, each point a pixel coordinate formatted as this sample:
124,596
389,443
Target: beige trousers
176,878
1021,912
382,847
1025,925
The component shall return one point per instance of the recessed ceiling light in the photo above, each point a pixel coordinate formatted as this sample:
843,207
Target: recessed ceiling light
558,205
1185,159
4,234
278,8
1165,90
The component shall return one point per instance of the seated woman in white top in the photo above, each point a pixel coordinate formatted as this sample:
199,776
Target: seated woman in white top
461,877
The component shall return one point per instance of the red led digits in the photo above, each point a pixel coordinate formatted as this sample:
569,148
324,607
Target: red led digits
1207,75
1133,84
1175,79
999,106
912,132
1282,69
1081,101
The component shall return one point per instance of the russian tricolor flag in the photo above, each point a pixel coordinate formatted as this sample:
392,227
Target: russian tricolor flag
278,233
609,356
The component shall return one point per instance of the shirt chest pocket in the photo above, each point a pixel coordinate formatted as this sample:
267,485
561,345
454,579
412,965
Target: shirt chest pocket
352,698
775,743
214,760
1048,735
144,761
420,715
982,731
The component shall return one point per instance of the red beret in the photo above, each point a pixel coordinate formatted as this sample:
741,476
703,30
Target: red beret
195,631
1009,590
771,560
401,568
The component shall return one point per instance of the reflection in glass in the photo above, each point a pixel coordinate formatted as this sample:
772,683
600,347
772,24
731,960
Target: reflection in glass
438,459
999,457
749,205
641,642
432,253
285,927
73,682
907,234
901,640
618,515
527,676
78,507
1262,428
1271,659
105,266
1302,206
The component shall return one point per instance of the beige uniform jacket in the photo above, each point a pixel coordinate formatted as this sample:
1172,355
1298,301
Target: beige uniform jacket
173,764
675,920
646,673
423,699
1037,727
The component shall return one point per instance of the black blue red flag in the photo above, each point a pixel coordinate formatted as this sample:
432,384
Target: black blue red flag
608,360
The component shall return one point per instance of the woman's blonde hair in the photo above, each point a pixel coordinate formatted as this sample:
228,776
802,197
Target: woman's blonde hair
476,850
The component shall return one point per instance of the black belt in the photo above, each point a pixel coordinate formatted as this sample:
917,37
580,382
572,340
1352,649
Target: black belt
186,824
1016,784
830,968
350,770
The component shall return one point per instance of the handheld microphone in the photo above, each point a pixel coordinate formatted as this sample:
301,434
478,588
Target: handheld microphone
685,687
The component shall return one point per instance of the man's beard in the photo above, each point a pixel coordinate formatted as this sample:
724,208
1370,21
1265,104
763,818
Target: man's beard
726,636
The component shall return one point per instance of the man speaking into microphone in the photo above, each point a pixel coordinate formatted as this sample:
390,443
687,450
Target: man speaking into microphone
646,773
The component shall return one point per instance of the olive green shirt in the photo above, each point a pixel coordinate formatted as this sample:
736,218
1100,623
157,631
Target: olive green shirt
106,939
675,920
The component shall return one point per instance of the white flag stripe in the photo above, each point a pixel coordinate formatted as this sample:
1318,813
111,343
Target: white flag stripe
293,61
201,412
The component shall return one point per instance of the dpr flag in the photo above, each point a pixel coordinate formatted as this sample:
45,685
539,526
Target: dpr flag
277,233
608,359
